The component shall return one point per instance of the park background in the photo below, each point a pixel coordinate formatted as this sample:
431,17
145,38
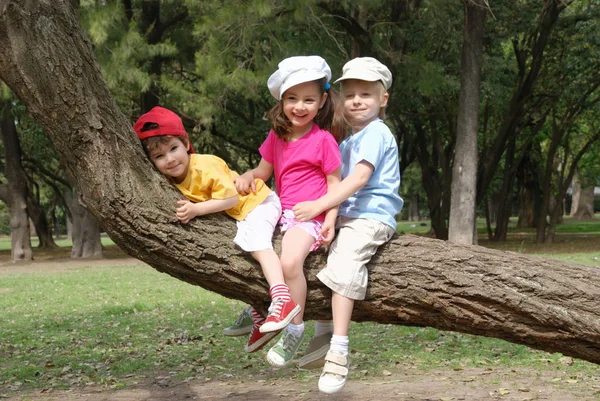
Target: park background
537,136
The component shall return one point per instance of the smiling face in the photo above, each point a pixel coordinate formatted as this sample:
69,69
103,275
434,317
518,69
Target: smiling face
171,158
301,103
363,101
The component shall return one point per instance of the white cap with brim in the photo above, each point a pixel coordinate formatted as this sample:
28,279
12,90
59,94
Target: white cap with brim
366,69
296,70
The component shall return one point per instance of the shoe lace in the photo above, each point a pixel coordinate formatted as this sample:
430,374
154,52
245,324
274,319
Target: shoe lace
276,305
290,342
240,318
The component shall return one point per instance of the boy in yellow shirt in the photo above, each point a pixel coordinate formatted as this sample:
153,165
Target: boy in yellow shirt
208,184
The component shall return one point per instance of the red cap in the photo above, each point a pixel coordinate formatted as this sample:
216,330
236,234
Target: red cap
168,123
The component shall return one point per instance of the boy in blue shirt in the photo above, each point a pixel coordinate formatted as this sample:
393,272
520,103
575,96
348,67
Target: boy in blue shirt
368,202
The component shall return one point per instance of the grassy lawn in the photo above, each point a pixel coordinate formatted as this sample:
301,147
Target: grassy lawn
114,325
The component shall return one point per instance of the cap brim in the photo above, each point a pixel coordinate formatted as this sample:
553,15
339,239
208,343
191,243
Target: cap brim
362,76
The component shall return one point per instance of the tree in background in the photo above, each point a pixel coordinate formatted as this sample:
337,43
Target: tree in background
15,191
462,222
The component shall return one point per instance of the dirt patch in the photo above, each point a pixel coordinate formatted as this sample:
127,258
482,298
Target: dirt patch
403,385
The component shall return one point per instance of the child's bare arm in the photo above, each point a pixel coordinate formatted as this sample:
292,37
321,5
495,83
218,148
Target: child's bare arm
328,227
189,210
349,185
245,182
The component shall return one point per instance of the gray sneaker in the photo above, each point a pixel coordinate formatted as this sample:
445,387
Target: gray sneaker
242,326
282,353
314,357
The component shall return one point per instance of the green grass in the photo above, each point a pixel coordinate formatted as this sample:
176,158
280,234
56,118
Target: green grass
62,242
114,325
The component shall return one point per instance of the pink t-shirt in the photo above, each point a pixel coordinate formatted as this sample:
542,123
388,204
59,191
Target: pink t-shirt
301,167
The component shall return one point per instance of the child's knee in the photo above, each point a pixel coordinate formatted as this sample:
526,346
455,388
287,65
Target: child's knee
291,267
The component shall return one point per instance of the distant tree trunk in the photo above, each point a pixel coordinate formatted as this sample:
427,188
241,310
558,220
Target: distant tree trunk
85,229
461,228
42,228
585,206
14,194
575,193
69,228
436,173
505,197
526,207
582,203
413,208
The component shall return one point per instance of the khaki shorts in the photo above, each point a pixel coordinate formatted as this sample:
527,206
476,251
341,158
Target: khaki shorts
356,243
255,232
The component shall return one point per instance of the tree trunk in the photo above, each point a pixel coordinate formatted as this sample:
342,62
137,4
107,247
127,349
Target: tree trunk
461,229
85,229
15,193
584,208
545,304
413,208
575,193
40,222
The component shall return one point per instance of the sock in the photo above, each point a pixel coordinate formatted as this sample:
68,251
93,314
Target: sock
323,327
339,344
256,317
281,291
295,329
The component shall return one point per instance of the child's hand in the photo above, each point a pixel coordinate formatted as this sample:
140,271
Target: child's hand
244,184
327,232
186,211
305,211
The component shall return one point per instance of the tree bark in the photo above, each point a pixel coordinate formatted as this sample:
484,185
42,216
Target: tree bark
585,206
85,229
461,228
413,208
582,204
40,222
46,59
15,193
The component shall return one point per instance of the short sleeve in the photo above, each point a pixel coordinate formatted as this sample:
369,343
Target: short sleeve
330,154
219,180
267,148
372,147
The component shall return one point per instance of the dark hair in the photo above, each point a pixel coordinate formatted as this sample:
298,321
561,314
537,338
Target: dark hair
154,141
330,117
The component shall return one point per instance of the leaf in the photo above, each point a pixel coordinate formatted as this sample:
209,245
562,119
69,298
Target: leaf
503,391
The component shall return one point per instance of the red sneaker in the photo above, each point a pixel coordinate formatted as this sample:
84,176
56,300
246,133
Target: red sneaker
258,340
281,314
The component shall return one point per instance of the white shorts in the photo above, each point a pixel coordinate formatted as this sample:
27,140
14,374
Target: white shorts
255,232
356,243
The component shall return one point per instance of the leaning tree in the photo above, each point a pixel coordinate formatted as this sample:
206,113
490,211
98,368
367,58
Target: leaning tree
46,59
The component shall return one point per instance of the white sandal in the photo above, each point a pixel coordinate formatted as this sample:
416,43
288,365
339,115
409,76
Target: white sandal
335,372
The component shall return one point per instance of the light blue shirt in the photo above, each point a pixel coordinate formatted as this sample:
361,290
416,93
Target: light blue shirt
378,199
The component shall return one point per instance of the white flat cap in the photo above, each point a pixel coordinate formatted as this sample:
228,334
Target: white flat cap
367,69
297,70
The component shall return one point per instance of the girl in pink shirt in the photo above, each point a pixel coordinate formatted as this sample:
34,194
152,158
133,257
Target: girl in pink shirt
302,152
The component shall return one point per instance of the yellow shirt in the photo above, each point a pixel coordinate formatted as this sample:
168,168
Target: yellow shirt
209,177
